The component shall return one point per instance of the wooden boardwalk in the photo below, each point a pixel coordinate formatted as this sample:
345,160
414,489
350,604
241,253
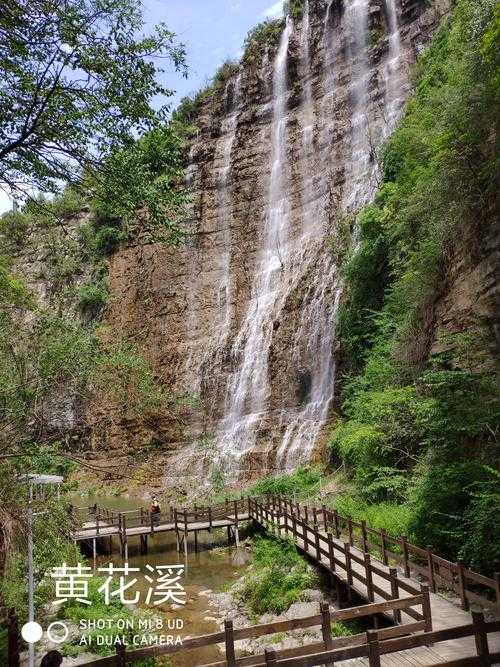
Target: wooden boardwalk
353,575
428,628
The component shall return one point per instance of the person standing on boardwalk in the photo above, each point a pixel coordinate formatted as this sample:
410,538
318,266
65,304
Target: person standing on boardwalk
155,510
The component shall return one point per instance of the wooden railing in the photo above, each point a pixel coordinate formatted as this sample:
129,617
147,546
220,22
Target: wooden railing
470,586
376,646
323,619
372,645
326,552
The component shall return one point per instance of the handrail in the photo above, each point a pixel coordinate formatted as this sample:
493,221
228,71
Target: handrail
436,569
324,618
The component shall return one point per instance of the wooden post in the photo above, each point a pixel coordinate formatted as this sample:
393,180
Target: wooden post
480,635
496,577
373,648
125,539
13,639
210,519
270,655
363,535
325,518
393,573
229,641
336,523
430,570
121,660
426,608
348,568
331,556
97,523
349,528
316,542
383,536
196,541
326,626
369,577
462,585
406,562
94,551
237,536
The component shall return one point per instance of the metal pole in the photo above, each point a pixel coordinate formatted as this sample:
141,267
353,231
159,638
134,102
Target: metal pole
31,606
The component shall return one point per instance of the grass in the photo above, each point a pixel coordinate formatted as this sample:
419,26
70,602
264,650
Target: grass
346,628
301,483
276,579
115,611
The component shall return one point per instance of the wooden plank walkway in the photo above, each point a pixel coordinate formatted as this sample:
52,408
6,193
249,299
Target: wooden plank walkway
90,531
440,634
445,614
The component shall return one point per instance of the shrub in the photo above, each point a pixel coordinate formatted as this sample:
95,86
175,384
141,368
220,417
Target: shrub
481,526
444,496
407,414
294,8
14,227
391,517
277,578
301,482
92,298
69,203
107,239
264,34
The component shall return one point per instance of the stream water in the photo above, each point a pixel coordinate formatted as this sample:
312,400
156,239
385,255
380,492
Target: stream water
208,570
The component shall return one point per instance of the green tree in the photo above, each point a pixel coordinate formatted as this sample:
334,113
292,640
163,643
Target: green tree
77,82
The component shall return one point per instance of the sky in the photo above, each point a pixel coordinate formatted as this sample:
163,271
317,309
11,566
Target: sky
212,31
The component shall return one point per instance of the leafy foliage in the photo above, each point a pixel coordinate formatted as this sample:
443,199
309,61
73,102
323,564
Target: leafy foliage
92,298
294,8
301,482
415,429
265,34
277,578
77,83
189,107
140,190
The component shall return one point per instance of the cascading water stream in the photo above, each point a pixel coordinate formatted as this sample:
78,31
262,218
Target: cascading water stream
308,104
318,316
294,270
248,385
358,187
393,70
228,130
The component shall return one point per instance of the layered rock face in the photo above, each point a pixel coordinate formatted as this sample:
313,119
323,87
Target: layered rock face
243,316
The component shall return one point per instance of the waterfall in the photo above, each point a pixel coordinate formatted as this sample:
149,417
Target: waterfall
308,124
358,187
270,359
228,134
392,72
320,304
248,386
190,371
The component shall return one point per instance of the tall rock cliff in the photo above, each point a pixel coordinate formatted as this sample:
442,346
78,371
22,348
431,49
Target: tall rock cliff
243,316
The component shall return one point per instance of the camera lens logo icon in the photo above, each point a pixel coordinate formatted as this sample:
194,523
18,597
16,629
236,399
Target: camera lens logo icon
32,632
